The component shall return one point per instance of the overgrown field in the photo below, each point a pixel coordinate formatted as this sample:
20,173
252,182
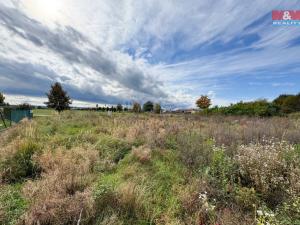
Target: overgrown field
90,168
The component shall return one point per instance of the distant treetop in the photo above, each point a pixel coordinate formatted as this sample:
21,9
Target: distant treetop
148,106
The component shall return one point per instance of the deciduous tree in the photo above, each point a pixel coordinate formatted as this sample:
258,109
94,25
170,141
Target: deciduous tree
148,106
119,108
157,108
203,102
136,107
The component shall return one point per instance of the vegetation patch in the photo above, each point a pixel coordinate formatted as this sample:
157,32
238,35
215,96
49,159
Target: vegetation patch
90,168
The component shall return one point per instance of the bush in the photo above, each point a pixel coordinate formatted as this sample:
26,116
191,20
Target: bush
289,212
21,165
266,167
222,170
246,198
260,108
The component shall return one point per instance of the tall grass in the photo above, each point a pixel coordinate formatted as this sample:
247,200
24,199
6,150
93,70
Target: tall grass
90,168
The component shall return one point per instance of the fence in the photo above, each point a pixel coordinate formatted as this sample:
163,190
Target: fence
10,115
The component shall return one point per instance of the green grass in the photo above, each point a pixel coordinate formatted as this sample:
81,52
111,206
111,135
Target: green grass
157,183
43,112
12,204
185,156
7,123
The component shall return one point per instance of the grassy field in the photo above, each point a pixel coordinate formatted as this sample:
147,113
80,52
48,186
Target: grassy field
2,125
90,168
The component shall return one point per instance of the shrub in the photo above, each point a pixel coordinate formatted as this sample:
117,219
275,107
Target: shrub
246,198
266,167
260,108
21,164
289,212
198,206
265,216
222,171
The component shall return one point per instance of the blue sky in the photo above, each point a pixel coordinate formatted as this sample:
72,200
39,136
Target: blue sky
171,52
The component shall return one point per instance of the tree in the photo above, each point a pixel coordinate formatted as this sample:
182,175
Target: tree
157,108
24,106
291,104
288,103
281,99
148,106
2,98
136,107
58,99
119,108
203,102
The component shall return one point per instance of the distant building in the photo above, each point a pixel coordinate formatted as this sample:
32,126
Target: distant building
184,111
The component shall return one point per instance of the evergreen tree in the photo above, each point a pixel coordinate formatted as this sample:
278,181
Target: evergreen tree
58,99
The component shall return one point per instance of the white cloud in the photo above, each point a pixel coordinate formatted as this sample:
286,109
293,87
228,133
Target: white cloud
151,28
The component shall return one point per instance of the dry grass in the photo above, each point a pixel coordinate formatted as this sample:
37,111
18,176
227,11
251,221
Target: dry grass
62,195
142,153
152,169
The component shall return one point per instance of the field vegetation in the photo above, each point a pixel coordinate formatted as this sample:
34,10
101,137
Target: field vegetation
81,167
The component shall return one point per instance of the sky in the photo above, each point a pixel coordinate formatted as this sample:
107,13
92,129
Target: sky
169,52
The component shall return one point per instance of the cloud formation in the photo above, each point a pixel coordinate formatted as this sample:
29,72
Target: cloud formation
74,51
166,51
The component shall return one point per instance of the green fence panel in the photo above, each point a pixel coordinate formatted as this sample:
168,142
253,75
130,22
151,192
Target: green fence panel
16,115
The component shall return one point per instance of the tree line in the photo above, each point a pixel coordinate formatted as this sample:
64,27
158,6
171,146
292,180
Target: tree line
282,105
59,100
